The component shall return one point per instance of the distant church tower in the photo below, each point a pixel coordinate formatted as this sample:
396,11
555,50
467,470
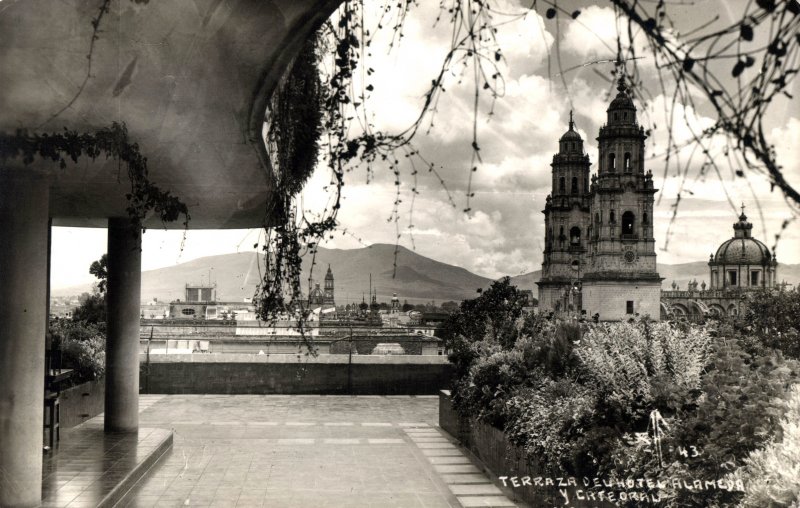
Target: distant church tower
328,292
599,255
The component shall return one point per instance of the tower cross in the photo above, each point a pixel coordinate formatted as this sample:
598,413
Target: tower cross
571,123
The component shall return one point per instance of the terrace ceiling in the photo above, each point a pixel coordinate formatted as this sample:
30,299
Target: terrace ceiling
190,79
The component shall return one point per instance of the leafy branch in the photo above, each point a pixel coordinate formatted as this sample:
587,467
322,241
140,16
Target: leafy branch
61,147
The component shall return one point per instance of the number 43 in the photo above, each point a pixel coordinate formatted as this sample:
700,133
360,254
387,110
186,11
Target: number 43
690,453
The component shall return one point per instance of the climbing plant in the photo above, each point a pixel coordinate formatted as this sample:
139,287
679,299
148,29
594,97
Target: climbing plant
69,145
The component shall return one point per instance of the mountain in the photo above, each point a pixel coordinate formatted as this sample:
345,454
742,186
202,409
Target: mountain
417,278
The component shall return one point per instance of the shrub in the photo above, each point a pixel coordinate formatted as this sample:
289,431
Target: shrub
636,366
738,411
581,405
773,318
549,422
82,345
493,372
772,475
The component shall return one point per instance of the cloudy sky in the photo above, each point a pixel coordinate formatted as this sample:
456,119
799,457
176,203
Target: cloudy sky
503,233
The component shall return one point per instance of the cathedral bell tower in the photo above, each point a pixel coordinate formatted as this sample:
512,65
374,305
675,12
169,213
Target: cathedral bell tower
621,279
566,217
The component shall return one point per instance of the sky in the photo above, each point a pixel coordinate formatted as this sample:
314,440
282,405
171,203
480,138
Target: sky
504,231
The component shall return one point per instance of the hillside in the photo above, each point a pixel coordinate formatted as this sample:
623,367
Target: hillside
417,279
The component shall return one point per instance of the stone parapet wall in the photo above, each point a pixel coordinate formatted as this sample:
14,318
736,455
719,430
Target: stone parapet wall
295,374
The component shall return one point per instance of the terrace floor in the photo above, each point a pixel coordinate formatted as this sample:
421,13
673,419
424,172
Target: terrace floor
308,451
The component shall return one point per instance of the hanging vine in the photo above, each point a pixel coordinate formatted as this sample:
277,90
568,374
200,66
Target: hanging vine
61,147
294,126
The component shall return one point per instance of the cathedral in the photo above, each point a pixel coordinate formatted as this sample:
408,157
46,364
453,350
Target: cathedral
599,254
318,297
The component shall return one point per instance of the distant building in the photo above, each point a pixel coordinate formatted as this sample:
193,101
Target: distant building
321,301
741,264
200,303
328,298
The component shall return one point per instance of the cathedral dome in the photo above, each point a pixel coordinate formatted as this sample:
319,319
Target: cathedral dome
571,135
742,249
622,100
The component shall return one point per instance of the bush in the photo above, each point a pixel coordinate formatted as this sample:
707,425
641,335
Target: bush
493,373
580,402
739,411
773,318
82,345
736,411
636,368
549,422
772,474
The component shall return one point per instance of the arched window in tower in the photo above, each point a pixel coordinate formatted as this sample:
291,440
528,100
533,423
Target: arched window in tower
644,219
611,217
612,163
575,236
597,218
627,223
627,162
561,233
574,184
562,184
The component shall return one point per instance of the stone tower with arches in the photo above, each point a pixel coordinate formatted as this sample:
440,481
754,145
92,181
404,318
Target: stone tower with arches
566,217
328,298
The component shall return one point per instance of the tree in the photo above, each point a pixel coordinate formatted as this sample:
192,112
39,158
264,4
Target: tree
774,319
93,306
449,306
494,312
99,269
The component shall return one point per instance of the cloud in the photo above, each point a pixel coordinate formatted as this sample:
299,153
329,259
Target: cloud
504,232
594,34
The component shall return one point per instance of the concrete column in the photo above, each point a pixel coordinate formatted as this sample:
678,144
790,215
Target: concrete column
24,204
122,345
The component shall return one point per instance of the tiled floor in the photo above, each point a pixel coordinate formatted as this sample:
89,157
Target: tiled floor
91,466
308,451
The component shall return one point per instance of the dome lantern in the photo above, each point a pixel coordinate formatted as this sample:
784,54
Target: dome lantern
621,111
571,141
